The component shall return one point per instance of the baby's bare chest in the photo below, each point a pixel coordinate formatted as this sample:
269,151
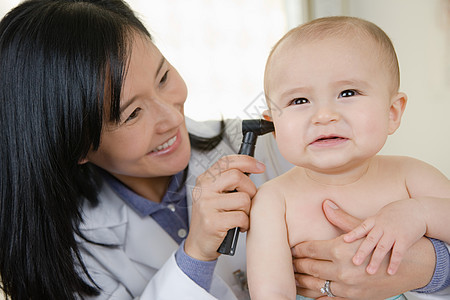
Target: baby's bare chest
304,214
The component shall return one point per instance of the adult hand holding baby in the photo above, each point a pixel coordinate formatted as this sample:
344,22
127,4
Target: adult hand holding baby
317,261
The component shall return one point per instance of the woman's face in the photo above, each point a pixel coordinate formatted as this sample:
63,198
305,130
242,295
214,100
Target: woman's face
151,139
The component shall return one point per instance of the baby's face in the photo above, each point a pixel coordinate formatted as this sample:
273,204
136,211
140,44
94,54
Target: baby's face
330,102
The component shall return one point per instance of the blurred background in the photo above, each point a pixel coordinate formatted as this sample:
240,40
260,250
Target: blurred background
220,48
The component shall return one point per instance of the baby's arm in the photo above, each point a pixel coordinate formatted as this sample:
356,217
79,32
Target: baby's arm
400,224
437,216
269,258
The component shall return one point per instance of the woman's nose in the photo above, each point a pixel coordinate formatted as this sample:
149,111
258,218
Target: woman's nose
168,115
325,114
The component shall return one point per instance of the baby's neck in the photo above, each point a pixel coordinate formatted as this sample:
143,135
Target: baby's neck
340,177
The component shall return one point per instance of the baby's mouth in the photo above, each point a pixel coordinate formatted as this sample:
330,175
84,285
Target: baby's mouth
165,145
329,139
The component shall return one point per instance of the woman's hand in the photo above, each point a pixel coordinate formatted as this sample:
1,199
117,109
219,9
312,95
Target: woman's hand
317,261
216,208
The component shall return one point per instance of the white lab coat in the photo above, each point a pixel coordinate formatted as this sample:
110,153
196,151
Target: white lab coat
143,263
143,266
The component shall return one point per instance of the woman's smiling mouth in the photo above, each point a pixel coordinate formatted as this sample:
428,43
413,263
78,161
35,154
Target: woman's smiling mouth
165,145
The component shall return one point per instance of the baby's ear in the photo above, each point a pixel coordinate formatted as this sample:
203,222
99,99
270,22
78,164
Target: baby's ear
396,111
267,115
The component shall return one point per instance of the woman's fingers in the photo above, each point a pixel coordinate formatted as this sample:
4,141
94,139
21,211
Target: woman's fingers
227,175
237,201
243,163
221,212
339,217
315,268
236,219
325,259
311,287
313,249
233,211
220,201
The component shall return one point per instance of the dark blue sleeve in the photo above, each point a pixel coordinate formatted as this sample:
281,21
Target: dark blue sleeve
441,276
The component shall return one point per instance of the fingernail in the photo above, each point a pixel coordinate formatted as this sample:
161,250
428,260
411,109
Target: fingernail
331,204
260,166
357,260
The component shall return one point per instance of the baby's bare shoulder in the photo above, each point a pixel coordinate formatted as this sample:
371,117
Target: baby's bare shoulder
421,178
276,188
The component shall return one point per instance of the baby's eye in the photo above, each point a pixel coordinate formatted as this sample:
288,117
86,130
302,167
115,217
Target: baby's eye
348,93
133,115
298,101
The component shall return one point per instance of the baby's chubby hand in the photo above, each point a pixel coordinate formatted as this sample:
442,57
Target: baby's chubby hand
396,226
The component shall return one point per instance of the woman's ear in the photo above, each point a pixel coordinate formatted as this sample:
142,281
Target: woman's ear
82,161
396,111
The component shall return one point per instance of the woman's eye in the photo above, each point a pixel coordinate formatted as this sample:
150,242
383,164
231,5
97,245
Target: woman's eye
133,115
298,101
164,78
348,93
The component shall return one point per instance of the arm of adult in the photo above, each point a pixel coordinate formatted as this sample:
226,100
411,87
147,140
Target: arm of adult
214,211
317,261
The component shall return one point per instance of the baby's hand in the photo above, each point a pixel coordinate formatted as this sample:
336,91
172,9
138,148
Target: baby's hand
396,226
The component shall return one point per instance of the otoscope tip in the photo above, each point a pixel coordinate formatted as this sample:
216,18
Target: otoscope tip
258,126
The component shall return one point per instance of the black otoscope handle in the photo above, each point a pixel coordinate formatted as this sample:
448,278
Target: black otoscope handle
229,244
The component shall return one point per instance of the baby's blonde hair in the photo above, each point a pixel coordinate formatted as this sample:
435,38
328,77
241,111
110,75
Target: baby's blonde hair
342,26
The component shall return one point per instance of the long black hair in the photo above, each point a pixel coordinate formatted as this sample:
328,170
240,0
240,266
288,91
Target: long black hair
59,61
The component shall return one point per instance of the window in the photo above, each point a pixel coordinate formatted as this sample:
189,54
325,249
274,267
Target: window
219,48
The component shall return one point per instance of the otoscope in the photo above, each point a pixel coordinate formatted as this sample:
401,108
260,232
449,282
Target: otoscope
250,131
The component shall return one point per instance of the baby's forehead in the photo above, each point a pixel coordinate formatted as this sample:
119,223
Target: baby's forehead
295,49
352,39
356,32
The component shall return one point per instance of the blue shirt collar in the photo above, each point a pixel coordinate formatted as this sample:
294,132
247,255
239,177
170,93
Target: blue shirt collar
176,192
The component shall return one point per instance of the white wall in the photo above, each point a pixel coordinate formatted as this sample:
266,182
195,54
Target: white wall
219,48
420,31
7,5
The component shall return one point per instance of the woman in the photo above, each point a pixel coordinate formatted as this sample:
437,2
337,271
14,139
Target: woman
95,154
102,194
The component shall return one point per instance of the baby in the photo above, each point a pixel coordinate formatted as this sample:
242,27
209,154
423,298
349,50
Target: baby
332,90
